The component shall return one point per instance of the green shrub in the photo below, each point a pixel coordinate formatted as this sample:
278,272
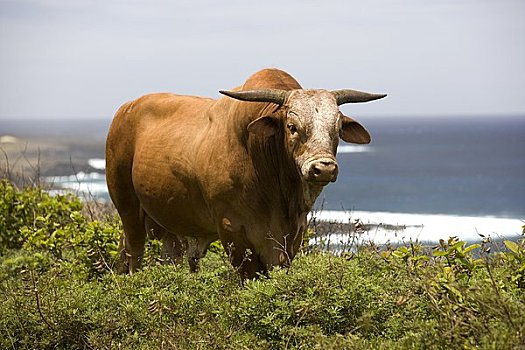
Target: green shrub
49,230
31,211
515,258
59,290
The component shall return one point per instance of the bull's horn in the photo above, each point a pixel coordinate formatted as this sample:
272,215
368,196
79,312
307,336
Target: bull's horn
266,95
353,96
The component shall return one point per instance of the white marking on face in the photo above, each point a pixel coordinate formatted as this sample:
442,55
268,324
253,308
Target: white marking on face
313,123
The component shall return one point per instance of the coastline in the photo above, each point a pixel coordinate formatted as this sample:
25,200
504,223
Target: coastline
383,227
375,226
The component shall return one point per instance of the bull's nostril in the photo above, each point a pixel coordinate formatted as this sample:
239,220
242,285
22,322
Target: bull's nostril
323,171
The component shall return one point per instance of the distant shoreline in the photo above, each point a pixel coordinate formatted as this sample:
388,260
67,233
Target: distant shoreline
34,156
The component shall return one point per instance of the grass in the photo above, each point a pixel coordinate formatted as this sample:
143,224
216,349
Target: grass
59,290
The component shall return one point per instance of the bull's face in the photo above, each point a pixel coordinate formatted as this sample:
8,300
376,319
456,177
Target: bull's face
312,125
311,128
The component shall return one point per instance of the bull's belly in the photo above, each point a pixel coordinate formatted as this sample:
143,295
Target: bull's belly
179,216
174,203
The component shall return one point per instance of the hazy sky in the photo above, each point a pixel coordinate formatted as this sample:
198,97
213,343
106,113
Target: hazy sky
84,58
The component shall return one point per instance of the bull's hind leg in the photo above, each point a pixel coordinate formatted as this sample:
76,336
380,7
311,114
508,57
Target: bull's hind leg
132,240
173,248
119,164
197,248
131,246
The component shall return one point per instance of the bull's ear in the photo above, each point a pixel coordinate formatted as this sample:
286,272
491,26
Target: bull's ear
264,126
353,132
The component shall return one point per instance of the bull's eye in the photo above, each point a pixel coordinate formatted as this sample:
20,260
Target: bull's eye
292,128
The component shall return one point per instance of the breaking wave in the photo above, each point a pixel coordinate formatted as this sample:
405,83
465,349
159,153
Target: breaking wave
354,149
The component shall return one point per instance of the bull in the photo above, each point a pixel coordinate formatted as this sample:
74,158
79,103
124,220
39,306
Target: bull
245,169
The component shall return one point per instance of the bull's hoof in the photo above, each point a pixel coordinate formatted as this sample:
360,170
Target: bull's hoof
128,263
122,267
194,264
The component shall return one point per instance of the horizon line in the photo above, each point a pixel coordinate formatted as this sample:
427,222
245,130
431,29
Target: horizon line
364,115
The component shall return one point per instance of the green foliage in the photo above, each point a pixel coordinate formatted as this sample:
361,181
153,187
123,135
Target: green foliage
516,261
34,208
413,256
458,257
50,230
59,290
457,268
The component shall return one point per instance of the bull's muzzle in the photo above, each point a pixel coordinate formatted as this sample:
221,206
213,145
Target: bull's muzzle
323,170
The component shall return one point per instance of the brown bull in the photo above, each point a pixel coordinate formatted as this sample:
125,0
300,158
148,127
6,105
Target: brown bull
193,170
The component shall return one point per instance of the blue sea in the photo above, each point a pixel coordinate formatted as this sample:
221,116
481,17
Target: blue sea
448,165
422,171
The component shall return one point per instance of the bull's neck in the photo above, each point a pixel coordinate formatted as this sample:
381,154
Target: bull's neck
311,192
277,176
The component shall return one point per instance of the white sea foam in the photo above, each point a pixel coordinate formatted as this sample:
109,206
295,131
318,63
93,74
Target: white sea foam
354,149
97,163
87,187
90,184
78,177
422,227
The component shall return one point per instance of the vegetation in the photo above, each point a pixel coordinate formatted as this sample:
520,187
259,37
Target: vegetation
59,290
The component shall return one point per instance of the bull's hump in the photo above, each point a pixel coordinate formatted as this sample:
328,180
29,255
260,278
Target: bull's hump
271,78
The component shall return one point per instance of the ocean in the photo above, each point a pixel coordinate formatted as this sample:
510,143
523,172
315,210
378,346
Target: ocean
456,166
426,172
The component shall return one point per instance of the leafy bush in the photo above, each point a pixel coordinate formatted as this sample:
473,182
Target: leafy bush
48,230
34,208
516,261
59,290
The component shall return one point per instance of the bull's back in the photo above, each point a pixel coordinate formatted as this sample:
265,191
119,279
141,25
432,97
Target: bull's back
158,113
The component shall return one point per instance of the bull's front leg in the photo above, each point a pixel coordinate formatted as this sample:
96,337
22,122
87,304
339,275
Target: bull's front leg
197,248
241,253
